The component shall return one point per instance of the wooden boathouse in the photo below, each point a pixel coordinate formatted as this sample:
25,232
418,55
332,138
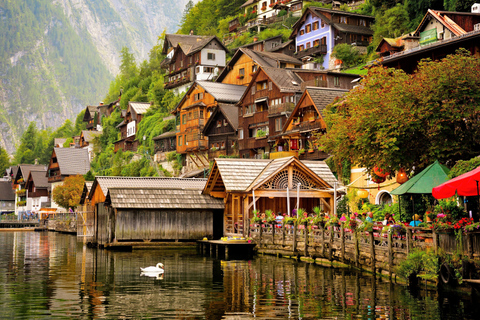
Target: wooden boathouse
139,212
280,185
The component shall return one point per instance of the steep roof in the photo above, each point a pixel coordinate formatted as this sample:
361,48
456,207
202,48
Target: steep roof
24,170
442,17
190,43
165,135
223,92
263,59
229,111
160,198
40,179
106,183
89,112
247,174
72,161
285,79
88,136
248,2
6,191
322,97
139,107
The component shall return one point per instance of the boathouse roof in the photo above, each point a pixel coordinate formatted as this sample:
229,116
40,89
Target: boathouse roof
160,198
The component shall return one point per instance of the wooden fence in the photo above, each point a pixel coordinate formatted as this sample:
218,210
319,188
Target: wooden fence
375,251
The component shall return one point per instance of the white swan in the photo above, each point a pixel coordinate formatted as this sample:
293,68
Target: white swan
157,269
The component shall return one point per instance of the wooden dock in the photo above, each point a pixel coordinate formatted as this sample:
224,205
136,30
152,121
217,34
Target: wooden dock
227,248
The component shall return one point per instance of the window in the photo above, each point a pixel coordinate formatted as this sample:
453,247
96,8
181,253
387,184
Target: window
261,85
184,119
302,32
249,109
219,123
185,139
316,42
180,139
197,69
323,41
270,85
253,90
208,69
198,96
225,123
181,63
308,45
301,48
240,133
308,28
336,81
210,56
201,114
362,22
323,23
241,72
189,60
223,145
315,25
343,19
278,124
254,68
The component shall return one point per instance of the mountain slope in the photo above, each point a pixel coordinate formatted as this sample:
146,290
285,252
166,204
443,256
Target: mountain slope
57,56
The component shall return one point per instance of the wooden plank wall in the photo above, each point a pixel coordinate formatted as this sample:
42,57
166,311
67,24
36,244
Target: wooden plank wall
155,225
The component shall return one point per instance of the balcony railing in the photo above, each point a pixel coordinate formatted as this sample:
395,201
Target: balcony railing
280,108
177,83
320,49
314,83
305,126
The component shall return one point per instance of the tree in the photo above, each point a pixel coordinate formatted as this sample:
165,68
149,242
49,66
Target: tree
68,194
391,23
24,153
348,54
128,66
395,120
4,160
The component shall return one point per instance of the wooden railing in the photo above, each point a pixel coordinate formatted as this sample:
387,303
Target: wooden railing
279,108
320,49
374,250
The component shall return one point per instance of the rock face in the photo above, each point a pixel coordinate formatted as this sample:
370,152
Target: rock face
57,56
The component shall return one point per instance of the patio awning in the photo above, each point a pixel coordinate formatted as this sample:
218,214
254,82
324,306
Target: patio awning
467,184
423,183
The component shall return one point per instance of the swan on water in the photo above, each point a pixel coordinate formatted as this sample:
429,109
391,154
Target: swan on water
157,269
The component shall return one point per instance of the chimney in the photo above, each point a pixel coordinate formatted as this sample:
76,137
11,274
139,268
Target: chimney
191,32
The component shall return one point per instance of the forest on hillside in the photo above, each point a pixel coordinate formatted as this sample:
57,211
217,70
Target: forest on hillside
144,82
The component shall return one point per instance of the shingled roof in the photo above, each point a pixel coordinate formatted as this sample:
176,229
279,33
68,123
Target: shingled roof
6,191
24,170
322,97
160,198
72,161
247,174
39,179
189,43
286,80
139,107
106,183
88,135
223,92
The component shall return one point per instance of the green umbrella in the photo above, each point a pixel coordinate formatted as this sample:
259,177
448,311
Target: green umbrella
432,176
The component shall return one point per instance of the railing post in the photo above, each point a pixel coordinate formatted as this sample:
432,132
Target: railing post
294,243
342,236
323,241
305,237
390,255
330,245
356,249
409,240
372,250
284,230
435,241
260,232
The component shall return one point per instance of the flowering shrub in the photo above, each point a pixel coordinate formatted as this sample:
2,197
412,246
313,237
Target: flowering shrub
269,216
256,217
397,229
472,227
462,223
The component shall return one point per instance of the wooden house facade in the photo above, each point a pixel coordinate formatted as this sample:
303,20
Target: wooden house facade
264,108
38,190
248,184
245,62
19,183
164,143
129,126
190,58
221,130
298,136
132,211
192,113
91,117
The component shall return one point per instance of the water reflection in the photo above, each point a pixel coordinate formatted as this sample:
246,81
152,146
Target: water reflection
49,275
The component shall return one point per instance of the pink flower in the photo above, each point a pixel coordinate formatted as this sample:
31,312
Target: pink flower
441,215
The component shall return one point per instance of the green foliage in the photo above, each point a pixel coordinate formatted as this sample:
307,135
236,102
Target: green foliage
4,160
399,120
176,159
423,264
391,23
68,194
349,54
464,166
450,207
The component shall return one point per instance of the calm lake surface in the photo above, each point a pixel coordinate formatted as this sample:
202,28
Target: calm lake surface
48,275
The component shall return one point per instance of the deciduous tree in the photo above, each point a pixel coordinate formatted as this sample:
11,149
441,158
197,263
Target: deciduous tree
395,120
68,194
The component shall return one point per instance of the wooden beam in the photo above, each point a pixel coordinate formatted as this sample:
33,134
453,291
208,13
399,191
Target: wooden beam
293,193
214,180
326,204
218,194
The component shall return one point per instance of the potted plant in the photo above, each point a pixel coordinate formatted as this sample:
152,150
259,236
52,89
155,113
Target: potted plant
261,134
431,215
332,221
310,146
256,219
270,217
301,151
290,220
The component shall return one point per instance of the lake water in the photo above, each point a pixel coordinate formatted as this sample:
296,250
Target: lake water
48,275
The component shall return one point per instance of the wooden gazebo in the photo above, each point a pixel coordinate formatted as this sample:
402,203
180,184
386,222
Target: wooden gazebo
280,185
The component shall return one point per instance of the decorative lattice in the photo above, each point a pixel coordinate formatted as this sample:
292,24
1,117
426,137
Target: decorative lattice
280,181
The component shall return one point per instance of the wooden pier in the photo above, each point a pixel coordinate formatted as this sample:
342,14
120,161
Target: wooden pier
227,249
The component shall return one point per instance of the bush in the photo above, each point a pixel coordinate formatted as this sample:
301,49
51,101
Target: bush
423,264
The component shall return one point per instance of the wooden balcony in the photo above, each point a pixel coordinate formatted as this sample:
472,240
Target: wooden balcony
177,83
315,155
252,143
316,50
286,107
314,83
305,126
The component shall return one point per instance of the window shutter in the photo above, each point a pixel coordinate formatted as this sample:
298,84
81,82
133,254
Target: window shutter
270,85
253,90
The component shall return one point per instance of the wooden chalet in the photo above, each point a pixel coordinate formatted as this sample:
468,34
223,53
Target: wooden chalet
245,62
245,184
192,113
66,162
164,143
298,135
91,117
86,141
132,211
221,130
19,183
38,190
439,34
129,126
190,58
263,45
264,107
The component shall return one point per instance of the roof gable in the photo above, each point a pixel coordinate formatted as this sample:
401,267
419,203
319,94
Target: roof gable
229,111
71,161
138,107
441,17
38,179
